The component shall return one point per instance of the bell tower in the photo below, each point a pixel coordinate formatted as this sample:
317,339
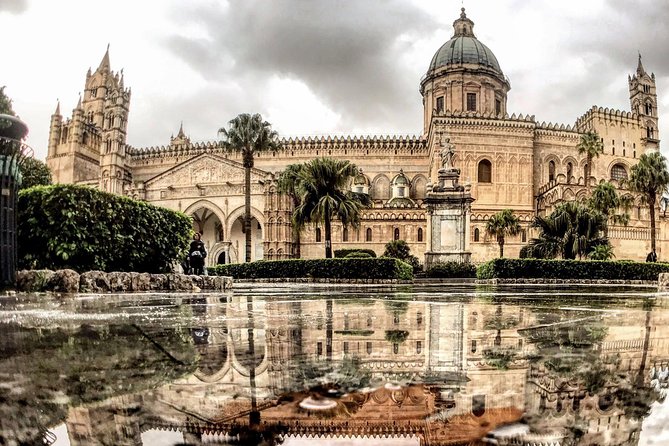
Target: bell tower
643,100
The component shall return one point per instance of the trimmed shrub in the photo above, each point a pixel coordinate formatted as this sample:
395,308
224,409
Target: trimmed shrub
358,255
399,249
569,269
342,253
81,228
451,270
317,268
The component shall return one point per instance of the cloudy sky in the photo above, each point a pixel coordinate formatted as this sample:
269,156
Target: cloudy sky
315,67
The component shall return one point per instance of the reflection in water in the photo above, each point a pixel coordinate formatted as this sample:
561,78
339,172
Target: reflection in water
255,367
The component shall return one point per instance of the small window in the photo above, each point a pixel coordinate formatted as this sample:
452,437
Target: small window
618,172
478,405
420,234
419,347
650,133
419,319
368,235
369,321
318,235
613,150
369,348
523,236
400,192
344,235
473,349
485,172
551,171
396,348
471,101
440,104
396,234
319,349
477,235
346,348
498,107
570,172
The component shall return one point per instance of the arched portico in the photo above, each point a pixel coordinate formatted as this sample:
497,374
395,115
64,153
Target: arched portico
235,227
209,220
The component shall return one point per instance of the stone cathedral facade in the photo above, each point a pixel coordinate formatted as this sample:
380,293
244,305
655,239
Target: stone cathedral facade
508,160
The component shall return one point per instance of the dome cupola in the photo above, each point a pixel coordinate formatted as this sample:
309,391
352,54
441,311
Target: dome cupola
464,76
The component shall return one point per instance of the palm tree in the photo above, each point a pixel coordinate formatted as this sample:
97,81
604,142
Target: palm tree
606,200
502,224
650,178
322,186
289,184
249,134
590,145
571,230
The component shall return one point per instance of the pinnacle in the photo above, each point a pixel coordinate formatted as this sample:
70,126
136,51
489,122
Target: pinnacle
104,63
57,112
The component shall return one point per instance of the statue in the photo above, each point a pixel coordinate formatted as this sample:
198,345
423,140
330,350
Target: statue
447,154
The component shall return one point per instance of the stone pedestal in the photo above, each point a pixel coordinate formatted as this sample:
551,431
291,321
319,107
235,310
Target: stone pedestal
449,206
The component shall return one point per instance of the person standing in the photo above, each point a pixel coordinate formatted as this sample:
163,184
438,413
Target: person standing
197,254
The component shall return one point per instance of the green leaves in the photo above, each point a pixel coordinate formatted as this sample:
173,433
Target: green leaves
66,226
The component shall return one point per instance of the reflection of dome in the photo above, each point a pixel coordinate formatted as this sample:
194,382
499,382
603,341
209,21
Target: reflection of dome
464,49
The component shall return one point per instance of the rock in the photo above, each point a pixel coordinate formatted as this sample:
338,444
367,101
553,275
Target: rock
140,281
662,281
179,282
93,282
33,280
198,281
120,281
158,282
64,281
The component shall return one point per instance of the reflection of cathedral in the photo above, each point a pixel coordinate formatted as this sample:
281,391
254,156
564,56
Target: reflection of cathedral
459,371
511,161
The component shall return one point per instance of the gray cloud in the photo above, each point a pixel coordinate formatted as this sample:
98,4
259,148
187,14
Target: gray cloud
13,6
347,52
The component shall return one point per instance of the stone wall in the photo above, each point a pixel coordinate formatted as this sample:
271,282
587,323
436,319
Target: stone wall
70,281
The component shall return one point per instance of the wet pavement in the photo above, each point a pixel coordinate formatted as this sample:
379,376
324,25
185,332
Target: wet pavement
318,365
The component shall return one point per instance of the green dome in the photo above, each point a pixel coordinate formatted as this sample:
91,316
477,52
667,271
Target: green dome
464,49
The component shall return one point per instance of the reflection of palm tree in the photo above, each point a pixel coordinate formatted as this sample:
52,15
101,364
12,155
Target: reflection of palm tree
254,416
328,329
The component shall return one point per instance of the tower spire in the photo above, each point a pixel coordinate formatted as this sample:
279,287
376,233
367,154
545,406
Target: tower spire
57,112
104,63
639,69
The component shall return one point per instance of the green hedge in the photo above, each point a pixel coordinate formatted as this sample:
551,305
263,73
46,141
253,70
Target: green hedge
317,268
451,270
569,269
67,226
341,253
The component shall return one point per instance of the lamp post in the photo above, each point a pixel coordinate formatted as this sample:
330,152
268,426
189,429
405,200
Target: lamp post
13,152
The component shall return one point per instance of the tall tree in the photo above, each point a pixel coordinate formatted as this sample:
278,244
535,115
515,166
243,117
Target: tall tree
249,134
289,185
502,224
591,146
606,200
5,103
650,178
324,195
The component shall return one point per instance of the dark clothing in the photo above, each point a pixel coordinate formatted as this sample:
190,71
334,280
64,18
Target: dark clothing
197,254
651,257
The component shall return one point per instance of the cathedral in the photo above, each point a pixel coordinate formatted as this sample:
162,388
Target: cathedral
507,161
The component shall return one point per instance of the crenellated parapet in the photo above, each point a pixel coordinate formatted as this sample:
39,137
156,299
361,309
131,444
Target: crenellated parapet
185,150
608,115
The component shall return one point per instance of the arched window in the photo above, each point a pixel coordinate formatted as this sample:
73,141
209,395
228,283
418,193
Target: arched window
551,171
649,108
523,235
570,171
368,235
420,234
485,172
396,234
618,172
344,235
477,234
650,133
318,235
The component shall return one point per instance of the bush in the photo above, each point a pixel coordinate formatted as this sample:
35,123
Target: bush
399,249
358,255
67,226
317,268
569,269
451,270
342,253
